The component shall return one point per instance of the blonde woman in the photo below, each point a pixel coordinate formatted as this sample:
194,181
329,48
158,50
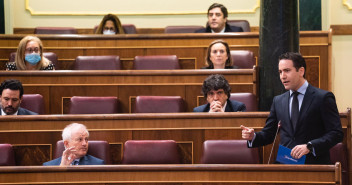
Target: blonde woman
29,56
110,25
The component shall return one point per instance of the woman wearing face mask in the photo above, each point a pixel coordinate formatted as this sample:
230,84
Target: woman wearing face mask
29,56
110,25
219,56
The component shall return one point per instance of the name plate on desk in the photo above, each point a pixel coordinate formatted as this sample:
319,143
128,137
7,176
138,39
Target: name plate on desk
284,156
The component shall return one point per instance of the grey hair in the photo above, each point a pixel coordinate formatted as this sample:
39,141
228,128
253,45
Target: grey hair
67,132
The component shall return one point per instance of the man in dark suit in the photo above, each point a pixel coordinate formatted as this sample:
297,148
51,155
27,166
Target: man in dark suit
310,122
217,21
217,91
11,92
75,137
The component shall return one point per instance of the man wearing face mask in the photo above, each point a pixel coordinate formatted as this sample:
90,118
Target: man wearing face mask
29,56
11,92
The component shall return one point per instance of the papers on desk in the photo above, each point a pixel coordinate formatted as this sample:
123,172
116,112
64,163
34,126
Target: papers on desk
284,156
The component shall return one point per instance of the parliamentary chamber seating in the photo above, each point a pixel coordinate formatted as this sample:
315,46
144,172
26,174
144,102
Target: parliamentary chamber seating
97,63
34,103
93,105
156,62
182,29
7,156
243,59
55,30
249,99
229,152
151,152
159,104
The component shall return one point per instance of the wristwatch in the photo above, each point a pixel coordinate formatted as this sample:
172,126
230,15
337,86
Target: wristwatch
310,146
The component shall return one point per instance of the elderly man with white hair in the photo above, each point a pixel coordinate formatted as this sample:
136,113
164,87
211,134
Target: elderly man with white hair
75,137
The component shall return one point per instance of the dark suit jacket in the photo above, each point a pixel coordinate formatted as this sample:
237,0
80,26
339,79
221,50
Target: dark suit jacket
231,106
228,28
22,111
86,160
318,122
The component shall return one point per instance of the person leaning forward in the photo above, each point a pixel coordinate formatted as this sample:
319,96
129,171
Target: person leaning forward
318,126
217,91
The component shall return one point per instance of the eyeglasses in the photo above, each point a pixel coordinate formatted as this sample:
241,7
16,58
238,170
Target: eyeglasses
31,50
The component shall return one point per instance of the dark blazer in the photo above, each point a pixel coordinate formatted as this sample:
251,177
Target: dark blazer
231,106
22,111
86,160
226,67
228,28
318,122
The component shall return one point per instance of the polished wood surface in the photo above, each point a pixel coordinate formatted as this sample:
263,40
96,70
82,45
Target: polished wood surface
34,137
58,86
190,48
173,174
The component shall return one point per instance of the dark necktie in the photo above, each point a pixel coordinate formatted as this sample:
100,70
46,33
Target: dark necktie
294,109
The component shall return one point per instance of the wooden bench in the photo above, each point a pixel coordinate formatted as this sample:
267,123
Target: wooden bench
58,86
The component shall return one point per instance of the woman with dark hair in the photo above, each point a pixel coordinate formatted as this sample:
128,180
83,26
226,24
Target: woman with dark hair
110,25
218,56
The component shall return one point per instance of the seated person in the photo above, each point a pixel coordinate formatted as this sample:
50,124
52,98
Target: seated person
219,56
11,96
217,17
217,91
29,56
75,137
110,25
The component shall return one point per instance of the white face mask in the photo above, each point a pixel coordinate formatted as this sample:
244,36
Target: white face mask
108,32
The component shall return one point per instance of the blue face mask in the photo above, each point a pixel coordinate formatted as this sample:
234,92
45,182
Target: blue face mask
33,58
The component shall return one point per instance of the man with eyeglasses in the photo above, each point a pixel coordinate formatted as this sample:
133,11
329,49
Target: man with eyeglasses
11,92
217,91
75,137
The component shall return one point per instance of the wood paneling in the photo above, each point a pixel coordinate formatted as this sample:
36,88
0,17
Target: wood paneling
189,130
173,174
54,86
185,46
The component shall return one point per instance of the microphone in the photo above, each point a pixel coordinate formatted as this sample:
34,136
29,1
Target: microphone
277,131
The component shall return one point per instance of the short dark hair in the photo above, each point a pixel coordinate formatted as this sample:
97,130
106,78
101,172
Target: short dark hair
12,85
216,82
222,7
297,59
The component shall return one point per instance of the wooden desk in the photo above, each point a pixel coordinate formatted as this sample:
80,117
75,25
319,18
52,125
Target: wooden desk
173,174
34,137
191,48
58,86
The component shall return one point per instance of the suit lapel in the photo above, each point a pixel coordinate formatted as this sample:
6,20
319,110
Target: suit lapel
286,111
229,107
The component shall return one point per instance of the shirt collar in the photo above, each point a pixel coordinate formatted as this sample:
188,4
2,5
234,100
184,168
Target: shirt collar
224,107
4,114
222,31
302,90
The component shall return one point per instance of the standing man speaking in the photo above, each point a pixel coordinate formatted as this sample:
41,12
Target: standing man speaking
310,122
